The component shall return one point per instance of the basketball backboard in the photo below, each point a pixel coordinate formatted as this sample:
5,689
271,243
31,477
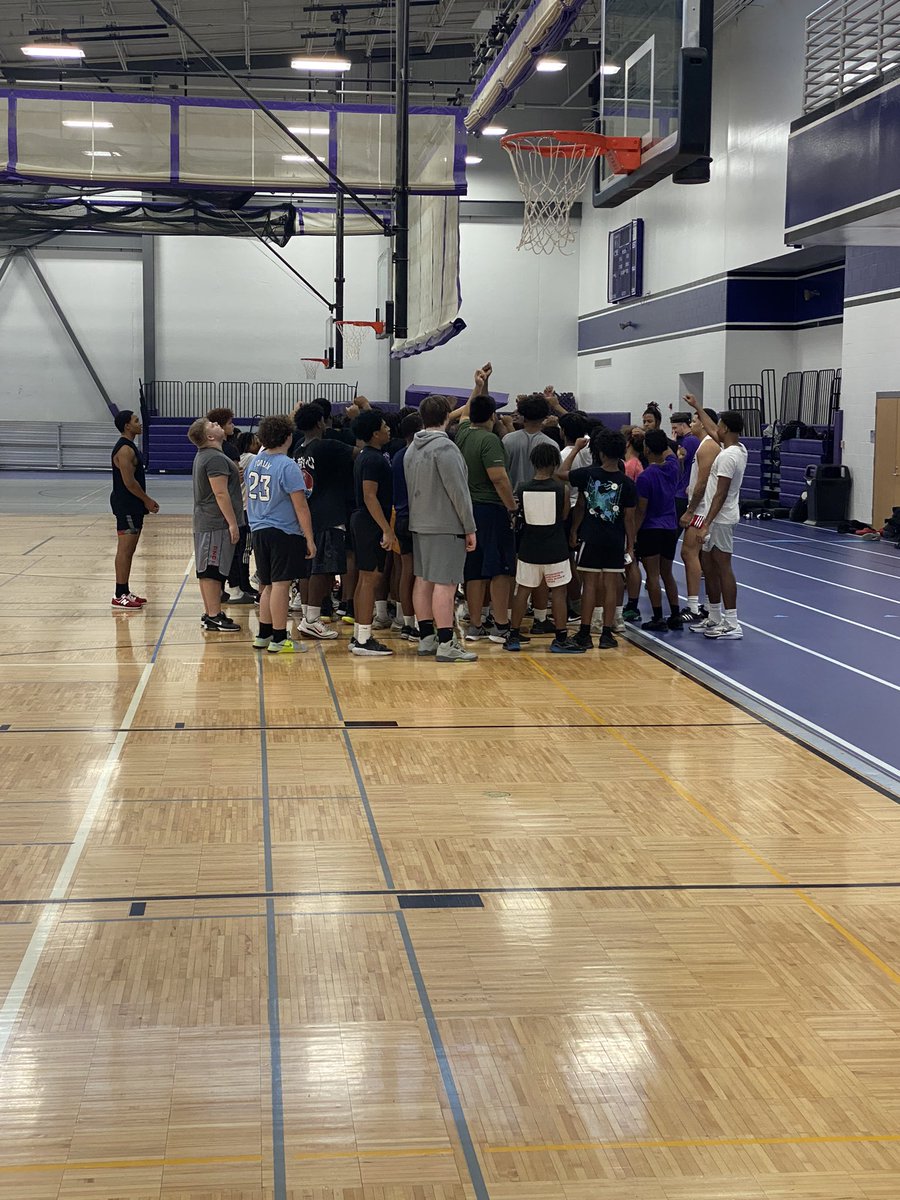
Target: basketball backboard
656,84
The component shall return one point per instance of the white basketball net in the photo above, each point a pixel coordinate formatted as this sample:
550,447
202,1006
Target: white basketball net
552,176
311,367
354,338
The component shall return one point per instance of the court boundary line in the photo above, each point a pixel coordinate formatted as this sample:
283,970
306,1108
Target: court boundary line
839,543
819,558
15,997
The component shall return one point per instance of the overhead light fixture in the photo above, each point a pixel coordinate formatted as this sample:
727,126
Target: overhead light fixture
86,124
296,158
472,160
551,65
311,131
494,131
102,153
53,50
610,69
307,62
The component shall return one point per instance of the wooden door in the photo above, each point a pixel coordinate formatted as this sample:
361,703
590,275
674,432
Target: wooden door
886,492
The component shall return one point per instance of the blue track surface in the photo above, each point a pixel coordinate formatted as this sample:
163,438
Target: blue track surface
821,618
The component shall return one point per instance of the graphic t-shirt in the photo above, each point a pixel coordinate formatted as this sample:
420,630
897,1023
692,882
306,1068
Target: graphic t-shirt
271,480
209,463
371,465
730,463
607,495
481,449
543,506
658,485
327,467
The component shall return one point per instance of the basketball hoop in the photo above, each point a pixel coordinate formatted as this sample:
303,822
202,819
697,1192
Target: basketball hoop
354,335
311,366
552,167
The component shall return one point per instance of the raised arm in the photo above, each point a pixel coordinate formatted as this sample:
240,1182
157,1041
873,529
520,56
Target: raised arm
482,375
709,426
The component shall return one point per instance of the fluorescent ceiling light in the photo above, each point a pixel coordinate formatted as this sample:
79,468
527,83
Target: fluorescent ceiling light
494,131
307,62
102,153
53,50
610,69
296,158
310,131
472,160
87,124
550,65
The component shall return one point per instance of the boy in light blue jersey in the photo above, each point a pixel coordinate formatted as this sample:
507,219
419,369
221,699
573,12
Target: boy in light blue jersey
282,530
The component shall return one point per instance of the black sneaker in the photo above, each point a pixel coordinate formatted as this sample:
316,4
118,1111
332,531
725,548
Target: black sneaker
607,641
569,646
693,618
410,633
219,624
584,640
656,625
632,614
370,649
224,598
540,628
675,622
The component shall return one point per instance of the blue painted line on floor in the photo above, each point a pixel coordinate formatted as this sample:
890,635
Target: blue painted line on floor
450,1089
274,1016
171,613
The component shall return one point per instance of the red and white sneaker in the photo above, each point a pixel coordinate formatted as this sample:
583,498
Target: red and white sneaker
127,601
140,599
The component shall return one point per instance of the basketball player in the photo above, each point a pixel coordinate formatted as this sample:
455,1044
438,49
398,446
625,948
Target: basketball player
129,502
693,537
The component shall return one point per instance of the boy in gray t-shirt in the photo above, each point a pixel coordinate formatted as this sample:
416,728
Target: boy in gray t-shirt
217,507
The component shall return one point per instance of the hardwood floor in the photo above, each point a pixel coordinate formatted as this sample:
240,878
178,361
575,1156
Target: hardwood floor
557,929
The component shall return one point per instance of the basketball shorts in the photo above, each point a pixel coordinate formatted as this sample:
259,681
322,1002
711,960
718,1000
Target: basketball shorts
331,553
370,556
403,535
603,554
280,556
439,557
661,542
495,550
720,536
129,522
213,554
532,575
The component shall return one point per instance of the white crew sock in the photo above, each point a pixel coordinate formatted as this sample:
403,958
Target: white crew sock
312,614
619,611
715,612
381,610
694,604
731,616
355,631
409,620
485,613
597,615
363,633
540,614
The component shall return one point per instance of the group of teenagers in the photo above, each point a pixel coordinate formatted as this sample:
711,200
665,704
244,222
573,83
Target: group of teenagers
543,511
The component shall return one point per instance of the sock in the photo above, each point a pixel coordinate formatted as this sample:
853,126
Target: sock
619,611
501,628
363,633
514,632
381,611
279,635
312,613
265,630
426,627
597,615
485,613
409,620
561,634
657,612
122,589
715,612
694,604
584,631
731,616
445,636
540,614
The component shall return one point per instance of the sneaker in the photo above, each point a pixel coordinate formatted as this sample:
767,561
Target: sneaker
462,614
499,635
675,622
427,645
254,581
348,618
288,646
656,625
631,613
702,625
142,600
607,642
397,625
225,598
512,642
243,598
219,624
574,618
694,618
409,633
619,625
723,632
260,643
381,623
353,642
540,628
453,652
476,633
370,649
296,603
569,646
315,629
584,640
126,601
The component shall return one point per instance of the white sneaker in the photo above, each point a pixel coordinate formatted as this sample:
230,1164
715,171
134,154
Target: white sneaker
703,626
453,652
315,629
381,623
295,604
427,646
397,625
619,625
723,632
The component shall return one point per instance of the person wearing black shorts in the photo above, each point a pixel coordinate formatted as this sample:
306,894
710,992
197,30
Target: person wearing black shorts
604,522
129,503
409,427
370,527
657,526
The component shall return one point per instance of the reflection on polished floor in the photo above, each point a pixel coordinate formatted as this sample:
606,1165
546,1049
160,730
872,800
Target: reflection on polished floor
330,929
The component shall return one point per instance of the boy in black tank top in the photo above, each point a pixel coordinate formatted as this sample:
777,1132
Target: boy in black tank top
129,503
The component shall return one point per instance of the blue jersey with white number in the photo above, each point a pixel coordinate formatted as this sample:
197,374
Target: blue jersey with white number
271,479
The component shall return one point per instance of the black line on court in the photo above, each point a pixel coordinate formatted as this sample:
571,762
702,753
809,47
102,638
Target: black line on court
451,900
182,727
38,546
370,725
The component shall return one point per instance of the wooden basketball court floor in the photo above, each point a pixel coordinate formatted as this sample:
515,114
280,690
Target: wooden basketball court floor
323,928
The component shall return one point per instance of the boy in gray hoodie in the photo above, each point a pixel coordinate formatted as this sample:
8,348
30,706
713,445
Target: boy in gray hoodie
443,529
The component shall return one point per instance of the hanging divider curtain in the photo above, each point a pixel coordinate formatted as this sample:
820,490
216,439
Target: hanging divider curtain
434,292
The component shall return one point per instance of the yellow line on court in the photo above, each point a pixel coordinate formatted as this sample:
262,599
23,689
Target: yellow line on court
425,1152
702,1143
719,824
132,1164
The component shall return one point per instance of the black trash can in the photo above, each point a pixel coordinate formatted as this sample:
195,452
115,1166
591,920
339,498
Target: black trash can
828,494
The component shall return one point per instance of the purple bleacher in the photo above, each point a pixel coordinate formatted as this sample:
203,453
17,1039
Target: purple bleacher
169,448
796,455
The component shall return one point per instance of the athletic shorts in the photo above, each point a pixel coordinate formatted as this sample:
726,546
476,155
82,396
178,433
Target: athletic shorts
720,536
495,550
129,522
280,556
403,535
331,554
439,557
213,554
367,542
653,542
604,554
532,575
